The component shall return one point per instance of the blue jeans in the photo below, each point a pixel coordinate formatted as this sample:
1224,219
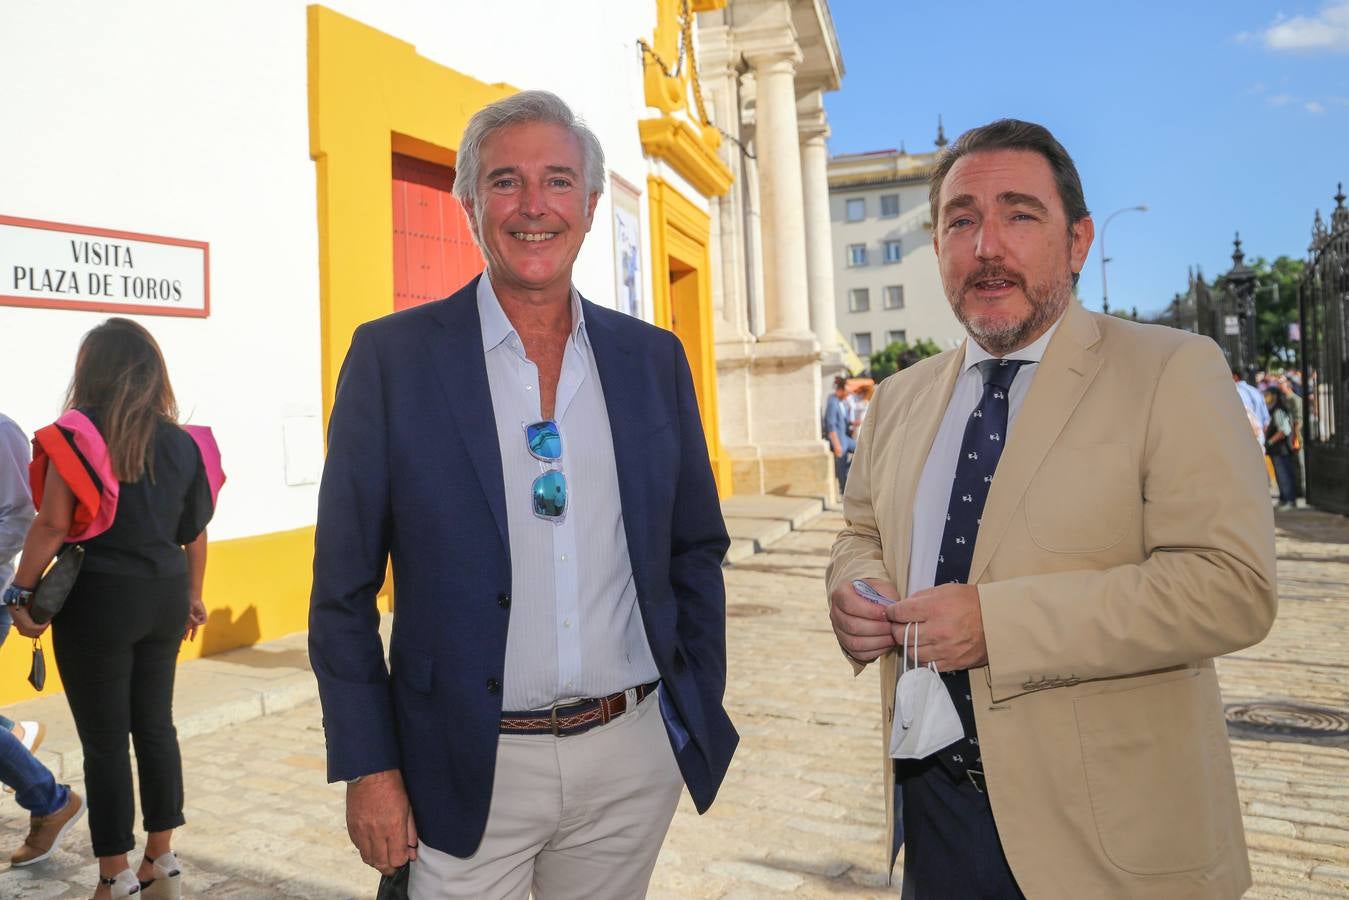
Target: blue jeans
34,787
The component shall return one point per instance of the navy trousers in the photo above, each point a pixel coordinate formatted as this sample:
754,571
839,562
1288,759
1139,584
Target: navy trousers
951,845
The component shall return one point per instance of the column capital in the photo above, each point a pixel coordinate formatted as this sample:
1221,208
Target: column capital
770,48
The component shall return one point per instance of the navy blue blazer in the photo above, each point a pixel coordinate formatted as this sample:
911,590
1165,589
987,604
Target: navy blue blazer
409,477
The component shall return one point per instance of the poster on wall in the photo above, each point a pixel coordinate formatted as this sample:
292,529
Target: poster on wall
627,245
50,265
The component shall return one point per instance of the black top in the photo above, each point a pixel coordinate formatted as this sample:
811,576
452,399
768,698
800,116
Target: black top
155,516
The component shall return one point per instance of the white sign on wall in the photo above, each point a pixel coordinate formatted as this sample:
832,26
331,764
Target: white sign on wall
1231,325
55,266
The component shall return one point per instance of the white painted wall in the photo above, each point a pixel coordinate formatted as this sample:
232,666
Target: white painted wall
190,120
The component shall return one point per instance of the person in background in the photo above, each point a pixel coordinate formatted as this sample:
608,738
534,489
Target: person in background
139,591
861,400
841,443
1293,401
1279,447
53,808
1251,399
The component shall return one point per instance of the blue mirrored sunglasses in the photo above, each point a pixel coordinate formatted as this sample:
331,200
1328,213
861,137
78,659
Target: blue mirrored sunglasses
549,492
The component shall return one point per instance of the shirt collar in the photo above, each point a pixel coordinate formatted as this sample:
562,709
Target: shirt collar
1034,352
496,326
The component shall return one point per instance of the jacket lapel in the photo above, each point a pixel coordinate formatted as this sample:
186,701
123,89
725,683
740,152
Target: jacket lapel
1070,363
628,416
457,356
925,415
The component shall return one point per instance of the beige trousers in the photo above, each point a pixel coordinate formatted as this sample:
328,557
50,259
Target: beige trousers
578,817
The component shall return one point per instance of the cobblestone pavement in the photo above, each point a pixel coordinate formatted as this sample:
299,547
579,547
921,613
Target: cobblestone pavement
801,811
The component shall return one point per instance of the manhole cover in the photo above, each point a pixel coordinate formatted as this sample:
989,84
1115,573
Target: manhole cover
750,610
1288,722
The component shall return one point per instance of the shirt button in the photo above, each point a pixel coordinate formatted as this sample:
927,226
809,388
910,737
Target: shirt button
566,623
493,686
564,557
504,600
529,387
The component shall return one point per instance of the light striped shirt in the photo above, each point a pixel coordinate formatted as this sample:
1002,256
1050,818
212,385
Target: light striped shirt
575,627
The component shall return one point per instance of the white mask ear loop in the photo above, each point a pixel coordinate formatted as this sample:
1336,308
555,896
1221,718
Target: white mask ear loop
905,666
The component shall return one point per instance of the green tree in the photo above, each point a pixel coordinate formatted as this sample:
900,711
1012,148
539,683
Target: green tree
1275,309
901,355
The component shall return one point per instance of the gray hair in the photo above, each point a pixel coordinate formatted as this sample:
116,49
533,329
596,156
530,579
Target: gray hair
524,107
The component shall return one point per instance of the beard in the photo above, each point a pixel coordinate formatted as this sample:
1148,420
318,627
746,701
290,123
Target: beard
1047,299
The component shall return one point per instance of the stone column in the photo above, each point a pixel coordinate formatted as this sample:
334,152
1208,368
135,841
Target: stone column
778,149
819,243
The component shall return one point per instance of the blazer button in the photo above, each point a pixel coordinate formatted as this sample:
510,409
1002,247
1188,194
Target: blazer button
493,686
504,600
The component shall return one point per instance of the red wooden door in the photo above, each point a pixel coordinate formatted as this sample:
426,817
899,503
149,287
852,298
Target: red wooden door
433,250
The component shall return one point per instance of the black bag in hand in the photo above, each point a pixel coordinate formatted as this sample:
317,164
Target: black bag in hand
395,886
51,592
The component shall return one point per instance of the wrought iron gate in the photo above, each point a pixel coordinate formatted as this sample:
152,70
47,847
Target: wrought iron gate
1323,301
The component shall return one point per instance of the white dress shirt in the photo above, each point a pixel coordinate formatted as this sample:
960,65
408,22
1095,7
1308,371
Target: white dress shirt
939,472
575,627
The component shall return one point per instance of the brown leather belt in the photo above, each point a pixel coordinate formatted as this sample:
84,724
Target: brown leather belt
573,718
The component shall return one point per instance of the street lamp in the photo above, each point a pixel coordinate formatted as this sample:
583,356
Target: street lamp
1105,295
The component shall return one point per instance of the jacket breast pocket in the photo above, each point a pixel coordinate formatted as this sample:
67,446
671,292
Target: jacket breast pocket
1151,755
1083,499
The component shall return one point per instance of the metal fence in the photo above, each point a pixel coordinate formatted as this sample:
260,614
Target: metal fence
1323,302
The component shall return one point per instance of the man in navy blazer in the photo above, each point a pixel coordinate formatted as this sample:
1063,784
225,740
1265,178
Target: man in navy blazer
535,468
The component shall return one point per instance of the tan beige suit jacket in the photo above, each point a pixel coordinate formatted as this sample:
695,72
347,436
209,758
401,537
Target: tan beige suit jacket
1127,540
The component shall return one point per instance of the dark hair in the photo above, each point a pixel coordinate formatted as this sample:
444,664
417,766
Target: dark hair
1014,134
120,372
1277,394
840,383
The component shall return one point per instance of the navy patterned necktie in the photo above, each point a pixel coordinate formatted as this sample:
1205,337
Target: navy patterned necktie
985,434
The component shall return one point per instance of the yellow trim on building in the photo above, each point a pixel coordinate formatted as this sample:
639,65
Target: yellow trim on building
369,95
688,153
681,283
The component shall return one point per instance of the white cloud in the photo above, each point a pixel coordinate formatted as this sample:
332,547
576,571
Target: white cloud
1314,107
1327,30
1280,99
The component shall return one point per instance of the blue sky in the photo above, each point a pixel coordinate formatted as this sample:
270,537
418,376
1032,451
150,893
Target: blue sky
1218,115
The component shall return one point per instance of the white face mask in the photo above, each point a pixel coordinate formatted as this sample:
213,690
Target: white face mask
925,718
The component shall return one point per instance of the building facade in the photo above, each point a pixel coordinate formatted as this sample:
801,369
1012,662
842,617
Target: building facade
887,285
282,173
765,68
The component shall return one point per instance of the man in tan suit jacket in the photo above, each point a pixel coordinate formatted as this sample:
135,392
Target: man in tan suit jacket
1126,540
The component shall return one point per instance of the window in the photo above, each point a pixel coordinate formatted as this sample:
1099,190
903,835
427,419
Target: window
893,251
889,206
894,296
859,300
857,209
857,254
861,343
899,336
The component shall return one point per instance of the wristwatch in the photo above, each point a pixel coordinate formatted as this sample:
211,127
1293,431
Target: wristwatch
17,596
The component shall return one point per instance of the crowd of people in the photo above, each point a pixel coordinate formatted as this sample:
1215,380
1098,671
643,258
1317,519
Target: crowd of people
117,477
1274,410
